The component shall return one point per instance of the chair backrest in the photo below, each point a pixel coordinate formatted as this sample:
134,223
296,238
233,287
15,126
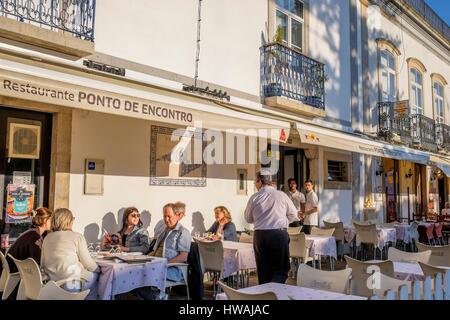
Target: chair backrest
361,223
336,281
295,230
246,238
438,229
322,232
396,255
367,233
211,255
361,271
385,282
413,231
30,276
233,294
4,273
431,271
51,291
339,233
440,255
297,246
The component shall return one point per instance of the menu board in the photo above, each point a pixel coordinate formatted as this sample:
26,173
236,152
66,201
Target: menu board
19,202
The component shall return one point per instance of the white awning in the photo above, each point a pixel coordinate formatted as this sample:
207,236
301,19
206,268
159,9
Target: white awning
442,163
315,135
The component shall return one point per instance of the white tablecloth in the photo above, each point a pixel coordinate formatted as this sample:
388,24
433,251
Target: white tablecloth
385,235
121,277
402,230
407,271
322,245
237,256
288,292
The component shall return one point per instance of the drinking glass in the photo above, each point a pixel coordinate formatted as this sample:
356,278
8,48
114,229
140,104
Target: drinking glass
91,247
197,234
98,247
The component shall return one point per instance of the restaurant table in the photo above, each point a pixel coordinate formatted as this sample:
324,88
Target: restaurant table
289,292
237,256
402,230
322,245
407,270
118,277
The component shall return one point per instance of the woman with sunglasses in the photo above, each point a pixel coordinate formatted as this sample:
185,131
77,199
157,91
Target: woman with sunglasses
132,237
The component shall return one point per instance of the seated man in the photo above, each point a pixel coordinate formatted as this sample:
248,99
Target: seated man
173,243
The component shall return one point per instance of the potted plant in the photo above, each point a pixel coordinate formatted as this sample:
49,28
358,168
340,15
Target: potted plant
276,59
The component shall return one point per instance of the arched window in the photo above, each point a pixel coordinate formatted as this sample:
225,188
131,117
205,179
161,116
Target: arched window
387,76
416,91
438,82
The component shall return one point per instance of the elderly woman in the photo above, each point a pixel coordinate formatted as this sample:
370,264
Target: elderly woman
223,225
65,253
29,244
132,237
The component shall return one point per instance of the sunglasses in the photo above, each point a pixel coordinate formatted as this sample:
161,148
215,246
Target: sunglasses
135,215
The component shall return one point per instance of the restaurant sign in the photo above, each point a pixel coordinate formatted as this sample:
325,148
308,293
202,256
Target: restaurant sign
59,93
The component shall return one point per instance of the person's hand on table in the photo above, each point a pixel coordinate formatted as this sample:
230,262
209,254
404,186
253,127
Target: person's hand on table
124,249
152,253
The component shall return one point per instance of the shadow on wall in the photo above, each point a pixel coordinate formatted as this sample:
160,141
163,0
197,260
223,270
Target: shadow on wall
110,224
198,223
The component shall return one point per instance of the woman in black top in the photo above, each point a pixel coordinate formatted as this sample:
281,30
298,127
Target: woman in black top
223,225
29,244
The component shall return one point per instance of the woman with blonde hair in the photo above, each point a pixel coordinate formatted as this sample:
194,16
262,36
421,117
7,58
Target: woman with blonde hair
29,244
65,253
223,225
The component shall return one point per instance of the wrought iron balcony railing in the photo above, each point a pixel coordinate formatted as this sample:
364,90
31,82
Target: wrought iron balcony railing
395,123
288,73
423,131
74,16
443,136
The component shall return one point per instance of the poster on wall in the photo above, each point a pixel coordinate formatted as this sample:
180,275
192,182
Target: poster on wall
19,202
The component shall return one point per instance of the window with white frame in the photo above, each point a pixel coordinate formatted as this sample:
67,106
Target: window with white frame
387,73
290,19
416,92
438,94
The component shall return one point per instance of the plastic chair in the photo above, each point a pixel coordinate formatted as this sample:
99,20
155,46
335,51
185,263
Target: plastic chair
338,234
385,282
184,282
322,232
246,238
361,271
298,250
367,234
396,255
431,271
211,259
233,294
295,230
8,280
336,281
52,291
440,255
426,234
414,235
438,233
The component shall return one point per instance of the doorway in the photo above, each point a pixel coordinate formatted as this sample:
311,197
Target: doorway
293,164
25,150
391,189
442,193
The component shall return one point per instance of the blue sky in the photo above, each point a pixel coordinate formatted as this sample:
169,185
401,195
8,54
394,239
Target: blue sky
442,8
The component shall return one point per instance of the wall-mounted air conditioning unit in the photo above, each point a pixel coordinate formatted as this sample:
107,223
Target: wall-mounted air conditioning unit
24,141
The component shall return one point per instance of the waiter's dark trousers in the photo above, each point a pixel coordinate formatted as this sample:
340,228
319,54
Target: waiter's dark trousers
272,255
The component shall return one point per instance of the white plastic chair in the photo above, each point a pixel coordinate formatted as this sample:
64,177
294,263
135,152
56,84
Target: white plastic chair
246,238
184,282
440,255
233,294
335,281
31,279
298,250
396,255
52,291
8,280
211,259
294,230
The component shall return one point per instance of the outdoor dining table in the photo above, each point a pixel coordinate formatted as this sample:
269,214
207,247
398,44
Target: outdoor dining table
237,256
407,270
384,235
289,292
118,277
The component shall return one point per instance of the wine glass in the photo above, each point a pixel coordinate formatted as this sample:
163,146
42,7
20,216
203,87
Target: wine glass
91,247
197,234
98,247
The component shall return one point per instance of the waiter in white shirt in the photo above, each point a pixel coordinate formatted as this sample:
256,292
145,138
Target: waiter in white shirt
297,198
270,211
311,214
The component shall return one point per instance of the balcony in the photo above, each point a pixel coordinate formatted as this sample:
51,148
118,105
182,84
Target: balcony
292,81
62,26
443,136
396,124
